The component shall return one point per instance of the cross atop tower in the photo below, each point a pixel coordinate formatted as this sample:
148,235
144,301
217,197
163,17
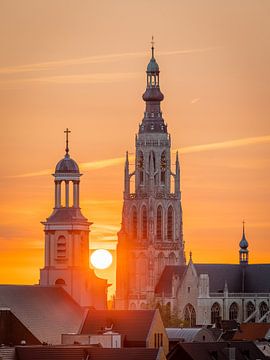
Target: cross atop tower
67,131
152,43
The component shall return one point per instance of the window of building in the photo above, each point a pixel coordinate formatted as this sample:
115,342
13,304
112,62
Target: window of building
158,340
263,308
163,166
159,223
144,223
140,167
215,313
134,223
190,315
233,311
61,247
170,223
250,310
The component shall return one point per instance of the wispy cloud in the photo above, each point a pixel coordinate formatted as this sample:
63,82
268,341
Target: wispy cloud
93,78
101,164
225,144
43,66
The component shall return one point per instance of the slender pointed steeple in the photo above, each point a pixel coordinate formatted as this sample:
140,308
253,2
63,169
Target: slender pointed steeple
177,175
127,183
243,252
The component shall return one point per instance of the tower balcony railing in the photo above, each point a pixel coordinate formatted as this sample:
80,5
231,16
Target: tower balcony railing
154,143
240,295
158,195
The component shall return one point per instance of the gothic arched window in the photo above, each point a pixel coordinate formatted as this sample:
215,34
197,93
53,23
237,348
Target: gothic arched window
60,282
144,223
263,308
172,259
142,272
163,166
170,223
134,223
233,311
161,263
250,310
190,315
159,223
215,313
140,166
61,247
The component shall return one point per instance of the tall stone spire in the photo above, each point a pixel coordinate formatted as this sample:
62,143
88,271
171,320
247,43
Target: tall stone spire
151,234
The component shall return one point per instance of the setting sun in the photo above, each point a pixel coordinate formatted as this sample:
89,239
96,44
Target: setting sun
101,259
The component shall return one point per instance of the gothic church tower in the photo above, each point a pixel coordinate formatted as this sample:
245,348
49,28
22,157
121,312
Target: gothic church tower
151,234
67,241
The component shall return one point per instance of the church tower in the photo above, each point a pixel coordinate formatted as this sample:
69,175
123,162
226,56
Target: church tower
67,240
151,233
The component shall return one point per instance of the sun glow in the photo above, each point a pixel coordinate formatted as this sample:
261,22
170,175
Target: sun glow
101,259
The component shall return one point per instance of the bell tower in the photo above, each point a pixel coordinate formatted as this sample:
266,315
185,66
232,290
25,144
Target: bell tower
67,240
151,234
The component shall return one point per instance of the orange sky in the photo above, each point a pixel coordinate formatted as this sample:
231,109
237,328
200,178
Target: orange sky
81,64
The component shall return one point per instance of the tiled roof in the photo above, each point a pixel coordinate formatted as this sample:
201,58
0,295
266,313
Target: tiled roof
215,350
133,325
221,273
164,284
47,311
257,277
66,215
253,331
81,353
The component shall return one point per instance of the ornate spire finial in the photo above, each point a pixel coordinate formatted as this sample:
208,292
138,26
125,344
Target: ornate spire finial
67,131
243,222
153,48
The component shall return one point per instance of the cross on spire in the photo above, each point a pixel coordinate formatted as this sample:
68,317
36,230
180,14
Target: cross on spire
152,43
67,131
243,222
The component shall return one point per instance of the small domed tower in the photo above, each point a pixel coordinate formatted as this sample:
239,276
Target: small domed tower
243,251
67,240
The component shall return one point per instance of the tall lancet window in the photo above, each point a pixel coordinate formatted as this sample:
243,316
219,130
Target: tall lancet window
144,223
140,166
159,223
170,223
134,223
163,165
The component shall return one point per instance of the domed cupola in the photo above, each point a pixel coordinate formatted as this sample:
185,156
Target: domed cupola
243,252
67,165
152,67
153,121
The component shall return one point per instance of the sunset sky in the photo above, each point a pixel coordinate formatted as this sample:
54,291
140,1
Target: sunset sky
81,64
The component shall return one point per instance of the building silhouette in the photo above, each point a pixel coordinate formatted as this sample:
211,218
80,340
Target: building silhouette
67,240
151,267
